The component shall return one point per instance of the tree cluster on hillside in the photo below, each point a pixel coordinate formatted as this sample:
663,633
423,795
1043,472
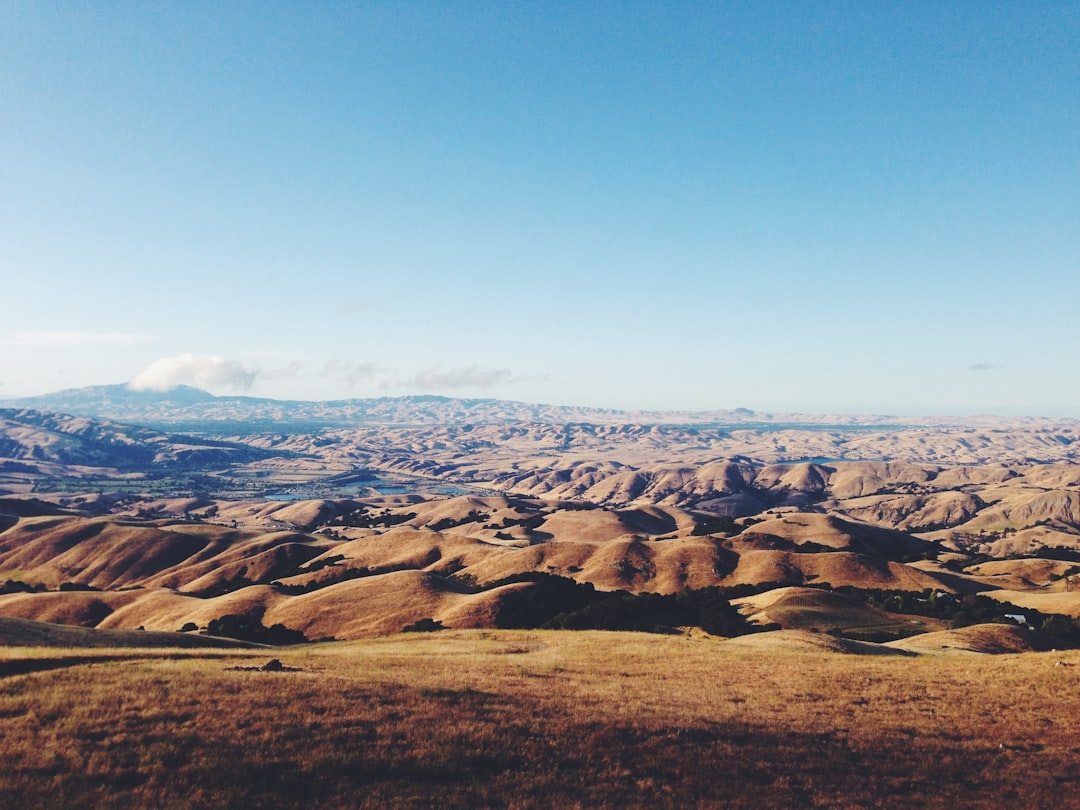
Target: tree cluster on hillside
363,519
563,604
249,627
964,611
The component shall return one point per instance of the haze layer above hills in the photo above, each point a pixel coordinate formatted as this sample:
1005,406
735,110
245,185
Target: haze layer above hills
186,405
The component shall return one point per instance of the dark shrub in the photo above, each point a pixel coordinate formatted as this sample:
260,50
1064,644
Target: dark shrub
249,627
423,626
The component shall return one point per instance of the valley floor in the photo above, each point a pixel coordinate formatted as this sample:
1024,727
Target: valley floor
538,719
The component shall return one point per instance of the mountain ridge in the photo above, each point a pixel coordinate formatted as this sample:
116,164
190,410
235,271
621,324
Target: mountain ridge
74,440
186,406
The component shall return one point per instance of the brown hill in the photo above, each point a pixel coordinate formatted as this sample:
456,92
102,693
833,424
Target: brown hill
992,639
859,478
789,641
912,512
162,610
803,478
81,441
382,605
562,480
1024,507
833,568
163,573
29,507
305,515
399,549
1026,574
107,553
833,531
24,633
611,565
1052,600
167,610
80,608
810,609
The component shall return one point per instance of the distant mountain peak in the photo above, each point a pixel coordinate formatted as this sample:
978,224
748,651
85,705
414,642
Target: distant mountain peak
93,399
179,394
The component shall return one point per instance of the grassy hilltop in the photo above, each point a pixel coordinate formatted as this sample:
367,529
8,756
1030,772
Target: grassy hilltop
542,719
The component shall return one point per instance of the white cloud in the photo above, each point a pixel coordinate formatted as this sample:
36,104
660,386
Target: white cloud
985,367
351,373
202,371
288,372
469,377
70,339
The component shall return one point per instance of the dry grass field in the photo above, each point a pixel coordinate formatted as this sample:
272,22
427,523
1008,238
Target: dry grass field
539,719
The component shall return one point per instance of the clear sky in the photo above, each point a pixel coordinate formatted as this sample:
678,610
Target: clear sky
800,206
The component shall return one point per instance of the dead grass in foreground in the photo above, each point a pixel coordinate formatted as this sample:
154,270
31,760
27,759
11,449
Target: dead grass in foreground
541,719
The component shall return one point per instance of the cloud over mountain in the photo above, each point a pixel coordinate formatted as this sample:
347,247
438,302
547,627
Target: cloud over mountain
202,371
352,373
473,376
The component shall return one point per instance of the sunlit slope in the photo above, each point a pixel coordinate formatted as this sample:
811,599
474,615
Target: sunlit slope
25,633
106,553
402,563
981,638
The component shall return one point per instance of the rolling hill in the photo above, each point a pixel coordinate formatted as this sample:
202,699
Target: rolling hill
367,568
369,516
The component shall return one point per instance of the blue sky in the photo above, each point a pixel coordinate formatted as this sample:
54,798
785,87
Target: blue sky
821,207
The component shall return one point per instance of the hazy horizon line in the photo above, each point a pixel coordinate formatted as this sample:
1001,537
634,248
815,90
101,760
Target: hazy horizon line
1038,412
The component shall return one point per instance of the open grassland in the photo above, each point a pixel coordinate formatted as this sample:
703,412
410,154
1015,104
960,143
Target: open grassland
539,719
